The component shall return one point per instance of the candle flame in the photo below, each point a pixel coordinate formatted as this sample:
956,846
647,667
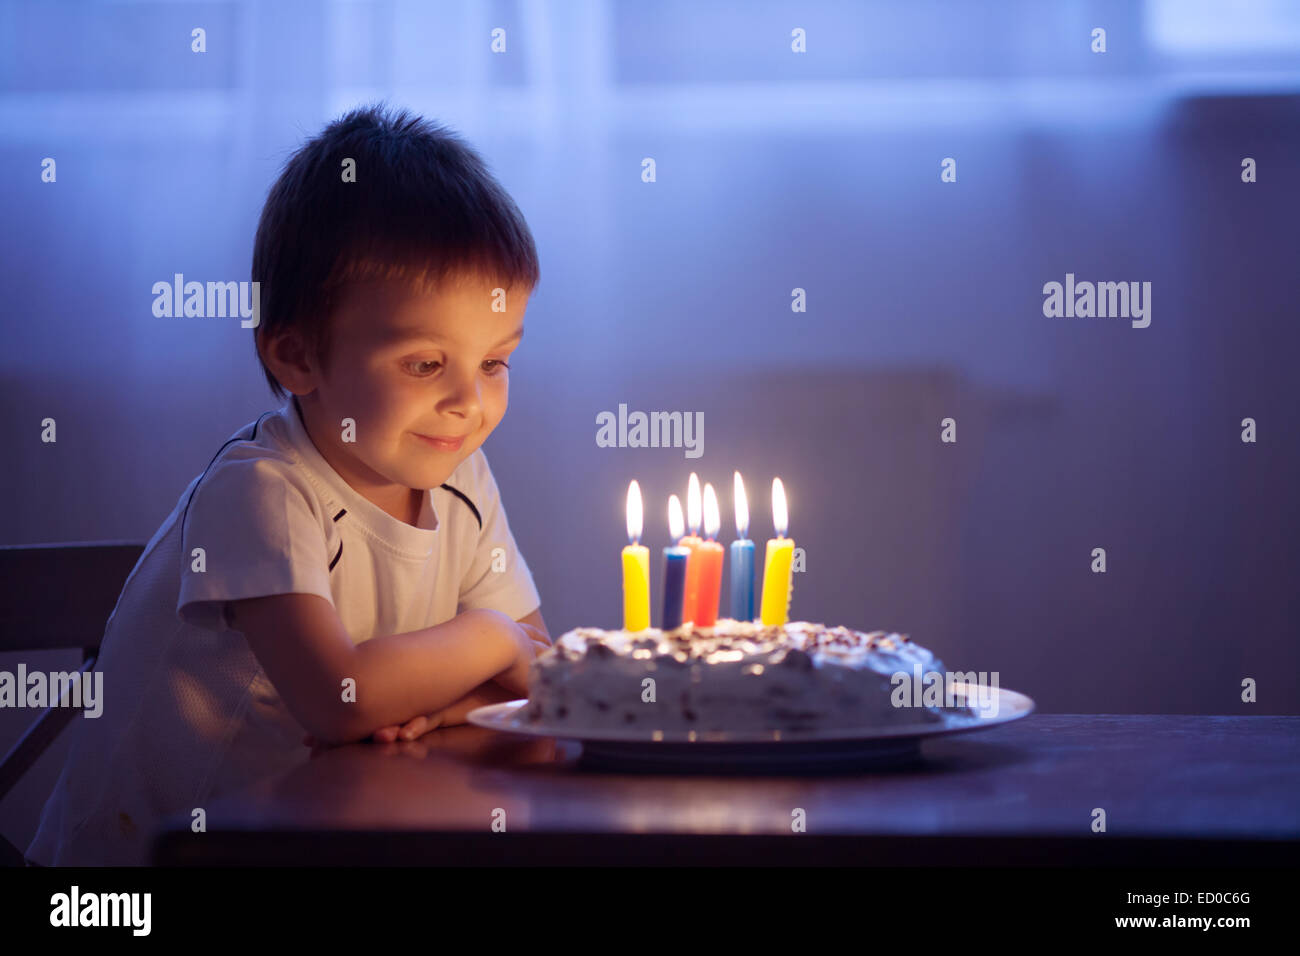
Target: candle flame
712,519
634,512
742,509
780,519
693,504
676,525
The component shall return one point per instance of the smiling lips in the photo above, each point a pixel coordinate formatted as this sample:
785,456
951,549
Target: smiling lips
442,444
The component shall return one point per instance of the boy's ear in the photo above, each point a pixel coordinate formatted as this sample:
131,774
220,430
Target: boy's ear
287,357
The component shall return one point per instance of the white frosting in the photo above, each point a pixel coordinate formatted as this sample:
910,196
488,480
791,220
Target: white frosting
736,676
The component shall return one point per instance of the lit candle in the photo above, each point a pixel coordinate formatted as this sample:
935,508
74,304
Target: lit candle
692,541
636,567
776,566
709,554
675,559
742,560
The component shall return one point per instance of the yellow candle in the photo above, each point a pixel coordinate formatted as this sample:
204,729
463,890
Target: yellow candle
776,564
636,568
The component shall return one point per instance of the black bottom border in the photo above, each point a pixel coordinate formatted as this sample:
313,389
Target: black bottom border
327,903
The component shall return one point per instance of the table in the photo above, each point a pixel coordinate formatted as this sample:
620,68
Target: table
1177,791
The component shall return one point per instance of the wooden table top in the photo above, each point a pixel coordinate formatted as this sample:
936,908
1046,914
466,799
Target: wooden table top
1178,788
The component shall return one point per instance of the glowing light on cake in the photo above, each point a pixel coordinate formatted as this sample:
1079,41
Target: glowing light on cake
676,523
742,508
693,504
712,516
634,512
780,514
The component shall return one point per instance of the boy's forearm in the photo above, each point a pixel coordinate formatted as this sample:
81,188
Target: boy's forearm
486,693
425,671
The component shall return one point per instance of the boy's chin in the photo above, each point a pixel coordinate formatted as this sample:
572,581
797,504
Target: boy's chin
428,477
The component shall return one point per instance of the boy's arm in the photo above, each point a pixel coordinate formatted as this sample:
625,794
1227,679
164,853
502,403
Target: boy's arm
487,693
458,713
306,652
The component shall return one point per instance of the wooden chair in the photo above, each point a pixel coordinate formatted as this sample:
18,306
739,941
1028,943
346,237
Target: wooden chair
55,596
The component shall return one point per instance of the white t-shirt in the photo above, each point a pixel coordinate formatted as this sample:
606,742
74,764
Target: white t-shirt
188,713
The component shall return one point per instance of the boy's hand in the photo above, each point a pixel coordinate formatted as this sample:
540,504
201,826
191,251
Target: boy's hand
408,731
529,643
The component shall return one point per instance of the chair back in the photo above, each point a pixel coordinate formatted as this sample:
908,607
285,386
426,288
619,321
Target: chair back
61,595
55,596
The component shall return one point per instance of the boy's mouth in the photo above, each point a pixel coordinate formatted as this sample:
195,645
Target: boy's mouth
442,444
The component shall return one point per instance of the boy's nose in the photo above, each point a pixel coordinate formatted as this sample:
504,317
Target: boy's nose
462,397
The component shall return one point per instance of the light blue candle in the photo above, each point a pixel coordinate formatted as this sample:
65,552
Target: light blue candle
742,580
742,560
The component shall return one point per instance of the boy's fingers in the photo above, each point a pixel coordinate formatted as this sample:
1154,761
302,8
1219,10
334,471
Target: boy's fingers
407,731
536,633
414,728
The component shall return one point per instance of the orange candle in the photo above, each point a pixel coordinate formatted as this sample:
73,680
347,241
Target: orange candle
693,541
710,560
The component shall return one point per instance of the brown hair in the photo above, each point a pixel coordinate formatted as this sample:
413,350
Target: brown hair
423,207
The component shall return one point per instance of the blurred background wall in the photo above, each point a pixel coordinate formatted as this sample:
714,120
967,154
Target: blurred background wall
775,171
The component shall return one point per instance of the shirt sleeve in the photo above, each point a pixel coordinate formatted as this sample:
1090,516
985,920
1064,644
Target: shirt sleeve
261,532
498,577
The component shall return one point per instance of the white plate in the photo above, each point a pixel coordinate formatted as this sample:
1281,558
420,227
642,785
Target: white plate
624,748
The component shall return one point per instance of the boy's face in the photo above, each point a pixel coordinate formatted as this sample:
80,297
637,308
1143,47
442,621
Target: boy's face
423,376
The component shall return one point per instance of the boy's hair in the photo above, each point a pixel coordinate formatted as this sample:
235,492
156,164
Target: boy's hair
423,208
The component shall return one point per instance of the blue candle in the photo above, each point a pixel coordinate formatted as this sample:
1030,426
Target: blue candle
742,560
675,559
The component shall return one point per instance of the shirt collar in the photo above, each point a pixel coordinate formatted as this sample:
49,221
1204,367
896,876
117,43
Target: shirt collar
416,539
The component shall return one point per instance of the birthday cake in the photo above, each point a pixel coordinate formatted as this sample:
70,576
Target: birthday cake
736,676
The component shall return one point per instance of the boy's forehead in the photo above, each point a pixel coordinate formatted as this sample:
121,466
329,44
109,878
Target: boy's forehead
390,308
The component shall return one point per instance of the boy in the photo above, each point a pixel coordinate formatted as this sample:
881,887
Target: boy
343,567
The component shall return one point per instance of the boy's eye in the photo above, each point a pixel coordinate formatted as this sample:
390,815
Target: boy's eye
427,367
